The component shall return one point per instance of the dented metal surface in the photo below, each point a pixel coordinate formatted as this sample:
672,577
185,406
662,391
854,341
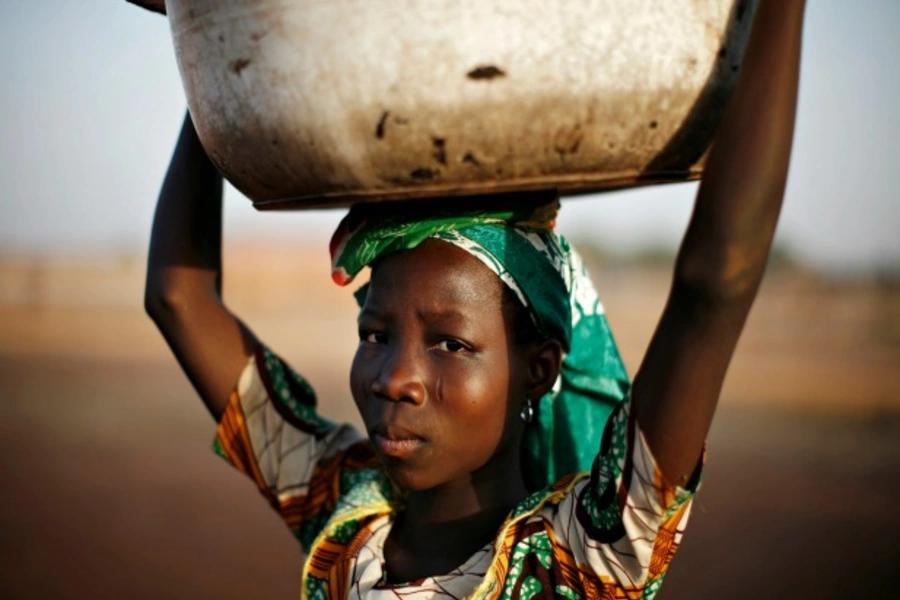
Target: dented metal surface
329,102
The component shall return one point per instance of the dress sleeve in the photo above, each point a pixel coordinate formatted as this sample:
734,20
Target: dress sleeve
624,523
300,462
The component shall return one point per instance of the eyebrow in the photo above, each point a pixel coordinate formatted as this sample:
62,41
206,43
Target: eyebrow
440,315
367,312
422,315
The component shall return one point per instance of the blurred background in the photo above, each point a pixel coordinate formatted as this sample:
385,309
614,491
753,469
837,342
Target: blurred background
110,487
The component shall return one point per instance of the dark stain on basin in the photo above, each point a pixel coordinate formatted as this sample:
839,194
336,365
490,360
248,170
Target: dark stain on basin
382,122
469,159
423,173
236,66
485,72
439,152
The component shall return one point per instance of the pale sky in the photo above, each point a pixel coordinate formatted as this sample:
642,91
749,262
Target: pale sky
91,104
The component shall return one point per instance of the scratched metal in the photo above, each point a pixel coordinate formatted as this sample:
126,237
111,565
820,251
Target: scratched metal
329,102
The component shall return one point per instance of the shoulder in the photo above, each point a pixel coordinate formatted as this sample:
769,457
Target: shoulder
612,529
269,378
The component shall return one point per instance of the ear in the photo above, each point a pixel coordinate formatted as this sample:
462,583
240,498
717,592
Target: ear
544,361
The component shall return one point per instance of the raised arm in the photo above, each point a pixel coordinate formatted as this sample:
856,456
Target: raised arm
184,275
725,249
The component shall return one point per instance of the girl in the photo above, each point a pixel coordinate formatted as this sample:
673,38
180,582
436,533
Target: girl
506,455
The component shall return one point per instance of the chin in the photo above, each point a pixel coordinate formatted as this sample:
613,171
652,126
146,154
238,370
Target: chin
408,478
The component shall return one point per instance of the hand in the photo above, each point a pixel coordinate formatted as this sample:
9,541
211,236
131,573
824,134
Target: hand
157,6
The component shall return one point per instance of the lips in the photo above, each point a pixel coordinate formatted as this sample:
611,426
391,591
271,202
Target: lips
395,441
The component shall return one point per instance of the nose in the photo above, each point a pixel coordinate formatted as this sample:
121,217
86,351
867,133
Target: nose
400,378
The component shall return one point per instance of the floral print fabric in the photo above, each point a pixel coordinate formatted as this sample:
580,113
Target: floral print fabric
608,533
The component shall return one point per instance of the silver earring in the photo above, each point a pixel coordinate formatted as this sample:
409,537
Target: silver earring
527,412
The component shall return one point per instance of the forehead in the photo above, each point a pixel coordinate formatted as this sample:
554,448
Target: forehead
435,274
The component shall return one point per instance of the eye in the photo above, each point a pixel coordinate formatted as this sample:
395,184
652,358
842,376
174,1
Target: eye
451,345
372,337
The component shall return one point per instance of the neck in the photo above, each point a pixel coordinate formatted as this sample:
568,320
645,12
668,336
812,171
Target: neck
460,517
462,499
481,499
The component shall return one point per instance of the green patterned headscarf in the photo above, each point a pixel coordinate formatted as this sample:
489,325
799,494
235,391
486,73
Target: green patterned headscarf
514,238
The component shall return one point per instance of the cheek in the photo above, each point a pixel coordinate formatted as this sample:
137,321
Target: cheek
492,397
477,398
475,425
359,377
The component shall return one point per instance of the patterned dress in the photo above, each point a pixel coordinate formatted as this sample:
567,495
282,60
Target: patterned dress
607,534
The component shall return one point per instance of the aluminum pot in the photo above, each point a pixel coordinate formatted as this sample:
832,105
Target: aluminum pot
311,103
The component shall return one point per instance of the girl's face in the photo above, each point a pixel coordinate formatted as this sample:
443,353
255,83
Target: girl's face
437,378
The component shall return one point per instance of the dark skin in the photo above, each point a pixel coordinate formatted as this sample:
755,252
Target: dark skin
724,252
439,379
425,366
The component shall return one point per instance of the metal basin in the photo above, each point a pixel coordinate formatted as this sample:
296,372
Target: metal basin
311,103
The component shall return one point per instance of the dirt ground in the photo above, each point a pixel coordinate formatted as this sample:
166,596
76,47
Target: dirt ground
111,490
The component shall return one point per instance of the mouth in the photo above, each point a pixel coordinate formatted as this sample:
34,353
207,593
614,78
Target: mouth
396,442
